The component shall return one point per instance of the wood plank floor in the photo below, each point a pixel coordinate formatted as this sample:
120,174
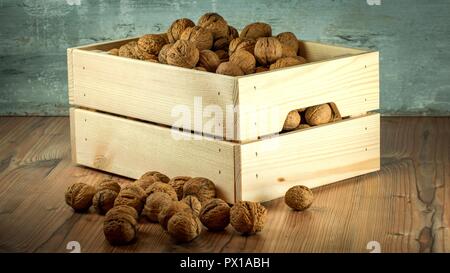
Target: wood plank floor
405,206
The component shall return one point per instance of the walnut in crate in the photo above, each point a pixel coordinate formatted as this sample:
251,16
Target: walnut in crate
215,23
248,217
292,121
177,184
131,195
128,50
268,50
143,55
319,114
200,187
114,51
232,33
256,30
79,196
215,214
261,69
286,62
162,187
245,60
299,197
168,211
193,203
120,225
289,42
221,43
154,204
177,28
183,53
107,191
184,227
201,37
151,43
230,69
157,176
162,56
209,60
241,43
223,55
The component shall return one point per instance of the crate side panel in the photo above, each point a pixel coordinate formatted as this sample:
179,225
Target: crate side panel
311,157
314,51
130,148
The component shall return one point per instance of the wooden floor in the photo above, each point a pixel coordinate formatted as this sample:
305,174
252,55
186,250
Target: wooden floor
405,207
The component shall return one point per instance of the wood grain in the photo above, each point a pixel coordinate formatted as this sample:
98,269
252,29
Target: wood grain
404,206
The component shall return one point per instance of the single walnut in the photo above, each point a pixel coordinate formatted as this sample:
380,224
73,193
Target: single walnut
128,50
215,23
162,57
230,69
302,126
299,197
177,184
168,211
184,227
248,217
292,121
289,42
200,187
215,214
223,55
221,43
177,28
261,69
245,60
268,50
256,30
143,55
232,33
193,203
114,51
240,43
151,43
285,62
319,114
120,225
79,196
108,184
154,204
162,187
199,68
183,53
103,200
131,195
209,60
145,182
202,38
157,176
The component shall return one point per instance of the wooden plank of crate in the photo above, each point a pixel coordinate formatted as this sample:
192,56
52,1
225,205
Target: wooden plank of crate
130,148
314,51
311,157
149,91
352,83
70,75
107,45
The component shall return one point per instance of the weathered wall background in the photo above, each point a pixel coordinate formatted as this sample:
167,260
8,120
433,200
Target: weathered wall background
412,35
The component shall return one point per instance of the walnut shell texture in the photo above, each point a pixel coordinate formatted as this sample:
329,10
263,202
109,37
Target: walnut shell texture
120,225
268,50
79,196
215,23
221,43
154,204
162,56
232,33
157,176
285,62
131,195
183,53
201,37
230,69
209,60
184,227
215,214
114,51
162,187
193,203
245,60
177,184
151,43
248,217
292,121
128,50
319,114
177,28
223,55
256,30
168,211
241,43
103,200
289,42
200,187
108,184
261,69
299,197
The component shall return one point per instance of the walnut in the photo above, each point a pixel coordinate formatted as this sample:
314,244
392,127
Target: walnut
299,197
157,176
193,203
162,187
223,55
79,196
167,212
145,182
131,195
292,121
176,29
268,50
261,69
200,187
215,214
154,204
143,55
151,43
114,51
108,184
209,60
285,62
184,227
302,126
319,114
248,217
241,43
202,38
177,184
221,43
199,68
162,57
128,50
256,30
289,42
215,23
230,69
232,33
183,53
120,225
107,191
245,60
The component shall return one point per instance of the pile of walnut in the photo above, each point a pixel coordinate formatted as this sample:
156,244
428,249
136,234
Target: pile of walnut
214,46
181,205
311,116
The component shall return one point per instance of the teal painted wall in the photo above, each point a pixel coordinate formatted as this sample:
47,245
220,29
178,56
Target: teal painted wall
413,37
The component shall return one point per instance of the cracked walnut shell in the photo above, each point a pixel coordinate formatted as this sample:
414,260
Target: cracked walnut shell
245,60
256,30
177,28
167,212
200,187
248,217
268,50
184,227
230,69
202,38
131,195
183,53
299,197
79,196
154,204
215,214
162,187
319,114
120,225
208,60
215,23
